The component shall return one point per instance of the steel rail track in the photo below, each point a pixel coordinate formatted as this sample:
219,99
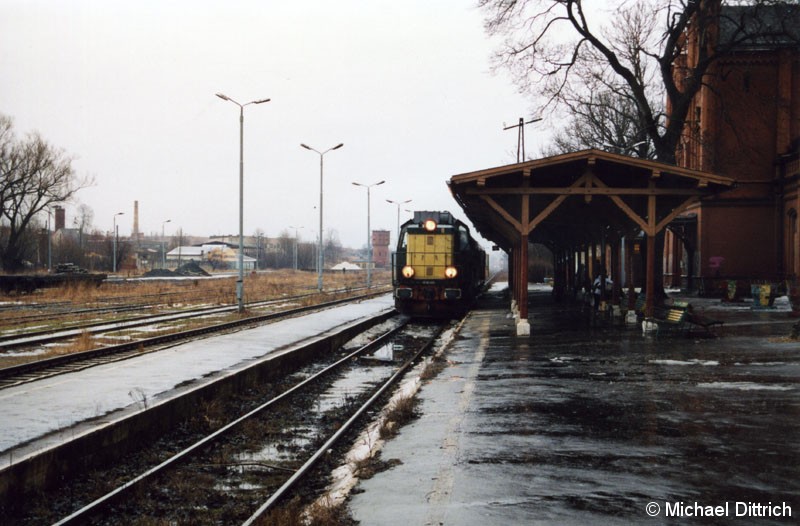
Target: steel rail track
96,507
301,472
32,371
97,327
33,318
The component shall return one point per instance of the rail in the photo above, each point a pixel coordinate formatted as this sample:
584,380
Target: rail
21,373
98,505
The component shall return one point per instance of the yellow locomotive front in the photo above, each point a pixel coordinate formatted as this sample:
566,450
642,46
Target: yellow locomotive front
434,264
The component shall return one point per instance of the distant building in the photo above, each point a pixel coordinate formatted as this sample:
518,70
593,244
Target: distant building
213,254
380,248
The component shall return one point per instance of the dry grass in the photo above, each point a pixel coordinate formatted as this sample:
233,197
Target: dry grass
261,286
84,342
400,413
294,513
433,368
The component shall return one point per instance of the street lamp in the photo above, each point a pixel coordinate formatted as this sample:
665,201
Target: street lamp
240,280
49,244
163,249
398,203
296,228
369,233
114,233
319,248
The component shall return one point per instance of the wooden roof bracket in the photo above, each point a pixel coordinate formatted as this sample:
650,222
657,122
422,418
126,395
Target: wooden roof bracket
585,180
500,210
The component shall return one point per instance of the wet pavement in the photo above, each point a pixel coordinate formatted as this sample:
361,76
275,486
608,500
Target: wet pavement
583,424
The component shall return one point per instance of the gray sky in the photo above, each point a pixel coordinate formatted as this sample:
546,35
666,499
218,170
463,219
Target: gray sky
128,89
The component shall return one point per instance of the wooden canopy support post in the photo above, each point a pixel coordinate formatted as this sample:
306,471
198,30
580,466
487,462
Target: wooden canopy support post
675,263
587,277
651,254
651,276
571,271
614,271
629,243
511,270
523,287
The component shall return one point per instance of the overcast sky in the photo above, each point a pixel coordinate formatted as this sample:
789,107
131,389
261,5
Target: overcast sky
127,88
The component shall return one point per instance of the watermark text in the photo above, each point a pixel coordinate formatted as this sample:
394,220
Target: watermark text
726,509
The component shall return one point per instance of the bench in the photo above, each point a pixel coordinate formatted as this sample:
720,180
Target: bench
671,318
680,315
701,320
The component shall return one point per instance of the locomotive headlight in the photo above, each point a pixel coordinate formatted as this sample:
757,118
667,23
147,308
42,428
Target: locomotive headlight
408,271
450,272
429,225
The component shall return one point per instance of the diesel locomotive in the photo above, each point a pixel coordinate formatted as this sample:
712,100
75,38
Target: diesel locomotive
438,268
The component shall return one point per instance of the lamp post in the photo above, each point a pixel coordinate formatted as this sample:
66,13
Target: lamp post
163,248
369,233
49,244
319,248
296,228
114,233
398,203
240,279
259,235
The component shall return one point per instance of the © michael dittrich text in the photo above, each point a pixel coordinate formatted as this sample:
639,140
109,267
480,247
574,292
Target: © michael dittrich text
740,509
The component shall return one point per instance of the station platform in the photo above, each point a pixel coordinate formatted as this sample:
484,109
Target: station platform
582,423
44,414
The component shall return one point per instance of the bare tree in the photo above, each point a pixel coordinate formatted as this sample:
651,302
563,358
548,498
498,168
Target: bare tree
285,249
332,248
555,48
33,176
605,122
83,221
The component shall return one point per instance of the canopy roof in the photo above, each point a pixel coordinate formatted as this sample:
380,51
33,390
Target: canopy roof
569,199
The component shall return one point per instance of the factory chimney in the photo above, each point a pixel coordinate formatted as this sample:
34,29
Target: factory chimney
135,233
61,218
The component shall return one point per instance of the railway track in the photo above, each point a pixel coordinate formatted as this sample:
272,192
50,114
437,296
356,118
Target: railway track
32,371
15,335
239,472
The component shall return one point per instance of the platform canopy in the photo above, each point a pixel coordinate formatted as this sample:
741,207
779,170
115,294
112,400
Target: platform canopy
560,200
577,198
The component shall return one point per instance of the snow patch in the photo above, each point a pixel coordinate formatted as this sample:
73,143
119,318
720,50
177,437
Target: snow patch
745,386
685,362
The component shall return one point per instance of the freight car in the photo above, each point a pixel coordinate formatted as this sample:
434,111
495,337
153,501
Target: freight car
438,269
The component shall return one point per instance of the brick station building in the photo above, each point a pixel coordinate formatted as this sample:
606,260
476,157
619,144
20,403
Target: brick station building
745,124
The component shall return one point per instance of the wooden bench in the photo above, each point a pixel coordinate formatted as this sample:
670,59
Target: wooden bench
701,320
670,318
680,315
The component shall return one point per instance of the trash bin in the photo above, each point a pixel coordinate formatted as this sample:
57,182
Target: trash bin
761,295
